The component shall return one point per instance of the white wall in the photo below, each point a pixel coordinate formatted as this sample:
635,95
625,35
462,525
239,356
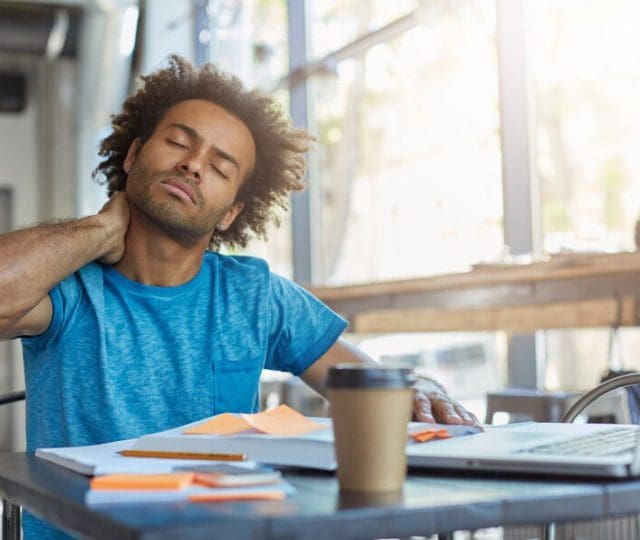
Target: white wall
19,173
19,146
37,156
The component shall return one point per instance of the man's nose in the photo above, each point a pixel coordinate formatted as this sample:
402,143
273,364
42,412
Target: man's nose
190,167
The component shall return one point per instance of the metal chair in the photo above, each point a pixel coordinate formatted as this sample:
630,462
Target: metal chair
12,397
623,381
550,406
11,513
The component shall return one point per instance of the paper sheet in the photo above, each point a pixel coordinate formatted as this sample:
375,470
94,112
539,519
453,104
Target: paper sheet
282,420
191,493
228,496
105,459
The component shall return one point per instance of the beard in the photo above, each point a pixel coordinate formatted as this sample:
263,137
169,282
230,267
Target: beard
186,228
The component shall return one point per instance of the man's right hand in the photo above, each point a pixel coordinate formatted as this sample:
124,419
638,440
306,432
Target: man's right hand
115,216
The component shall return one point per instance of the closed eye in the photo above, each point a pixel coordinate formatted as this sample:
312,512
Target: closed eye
218,171
176,143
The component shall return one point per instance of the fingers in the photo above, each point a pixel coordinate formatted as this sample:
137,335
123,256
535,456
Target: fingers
114,218
116,199
445,410
118,206
441,409
422,409
468,418
119,198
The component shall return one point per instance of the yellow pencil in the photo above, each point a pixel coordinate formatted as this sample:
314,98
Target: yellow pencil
183,455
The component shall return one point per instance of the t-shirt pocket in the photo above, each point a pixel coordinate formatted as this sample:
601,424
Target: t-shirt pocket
237,378
232,357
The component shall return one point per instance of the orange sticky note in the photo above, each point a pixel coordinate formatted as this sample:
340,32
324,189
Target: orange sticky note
221,424
222,497
169,481
425,435
282,420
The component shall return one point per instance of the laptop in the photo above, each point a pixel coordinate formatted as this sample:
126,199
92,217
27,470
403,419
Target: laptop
596,450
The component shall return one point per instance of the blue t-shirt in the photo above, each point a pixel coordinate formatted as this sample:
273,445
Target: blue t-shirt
121,359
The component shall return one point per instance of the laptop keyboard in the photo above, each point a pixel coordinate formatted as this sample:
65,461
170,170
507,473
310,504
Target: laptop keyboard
605,443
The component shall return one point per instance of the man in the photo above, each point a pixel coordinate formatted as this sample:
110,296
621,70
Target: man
129,323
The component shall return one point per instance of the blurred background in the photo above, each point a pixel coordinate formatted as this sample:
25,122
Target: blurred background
451,133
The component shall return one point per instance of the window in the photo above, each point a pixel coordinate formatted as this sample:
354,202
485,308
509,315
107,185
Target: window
585,67
337,22
409,171
586,60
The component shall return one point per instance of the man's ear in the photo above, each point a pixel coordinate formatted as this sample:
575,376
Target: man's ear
132,153
230,216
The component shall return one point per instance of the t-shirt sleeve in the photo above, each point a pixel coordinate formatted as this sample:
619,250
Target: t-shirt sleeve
64,297
302,328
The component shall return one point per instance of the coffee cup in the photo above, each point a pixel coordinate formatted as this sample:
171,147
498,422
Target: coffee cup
370,408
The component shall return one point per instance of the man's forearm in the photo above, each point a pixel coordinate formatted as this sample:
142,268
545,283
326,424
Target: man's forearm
341,351
33,260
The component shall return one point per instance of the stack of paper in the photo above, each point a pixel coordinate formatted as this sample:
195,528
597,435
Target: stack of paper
183,486
280,436
224,475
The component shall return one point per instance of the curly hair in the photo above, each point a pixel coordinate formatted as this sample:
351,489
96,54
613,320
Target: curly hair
280,162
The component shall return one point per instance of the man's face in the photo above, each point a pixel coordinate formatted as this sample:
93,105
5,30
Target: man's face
185,178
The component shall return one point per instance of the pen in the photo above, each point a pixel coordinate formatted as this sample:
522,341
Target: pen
183,455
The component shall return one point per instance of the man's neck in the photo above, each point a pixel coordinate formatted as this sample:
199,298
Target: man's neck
152,257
